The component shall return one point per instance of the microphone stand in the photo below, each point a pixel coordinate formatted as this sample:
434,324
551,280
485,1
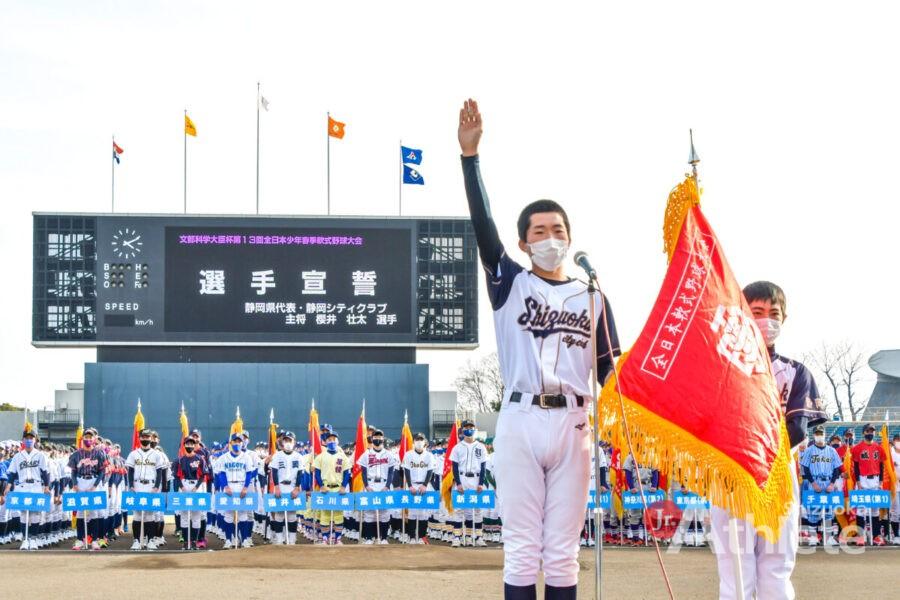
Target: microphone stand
598,511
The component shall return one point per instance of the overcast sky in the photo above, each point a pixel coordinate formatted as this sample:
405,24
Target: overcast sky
794,107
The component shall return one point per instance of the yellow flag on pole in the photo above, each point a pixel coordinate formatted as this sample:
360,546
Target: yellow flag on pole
189,127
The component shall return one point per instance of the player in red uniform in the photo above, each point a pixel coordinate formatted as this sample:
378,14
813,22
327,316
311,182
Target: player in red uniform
868,468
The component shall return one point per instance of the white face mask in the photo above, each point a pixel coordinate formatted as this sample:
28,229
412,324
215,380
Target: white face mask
288,446
770,329
419,445
819,439
548,254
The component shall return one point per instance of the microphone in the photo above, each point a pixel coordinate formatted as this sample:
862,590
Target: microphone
581,259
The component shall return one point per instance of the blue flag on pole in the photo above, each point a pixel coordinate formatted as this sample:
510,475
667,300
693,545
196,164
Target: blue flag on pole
411,176
411,156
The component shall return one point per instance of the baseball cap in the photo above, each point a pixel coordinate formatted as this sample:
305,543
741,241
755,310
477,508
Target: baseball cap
868,427
236,437
819,429
468,423
288,434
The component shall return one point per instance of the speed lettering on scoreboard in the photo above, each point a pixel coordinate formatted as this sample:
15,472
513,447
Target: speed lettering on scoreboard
157,280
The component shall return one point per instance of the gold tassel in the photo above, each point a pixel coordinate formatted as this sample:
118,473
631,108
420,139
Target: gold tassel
700,467
682,197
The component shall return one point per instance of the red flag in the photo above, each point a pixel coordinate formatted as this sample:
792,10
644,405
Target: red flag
447,475
697,385
359,448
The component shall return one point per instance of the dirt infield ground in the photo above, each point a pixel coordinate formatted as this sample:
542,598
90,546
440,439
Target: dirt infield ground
433,572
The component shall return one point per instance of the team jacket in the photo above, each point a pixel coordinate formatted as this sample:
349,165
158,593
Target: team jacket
868,460
800,400
88,464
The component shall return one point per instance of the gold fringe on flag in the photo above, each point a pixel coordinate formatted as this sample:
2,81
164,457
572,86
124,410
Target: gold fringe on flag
698,466
681,199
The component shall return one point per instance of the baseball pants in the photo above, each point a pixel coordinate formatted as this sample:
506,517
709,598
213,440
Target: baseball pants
766,568
542,465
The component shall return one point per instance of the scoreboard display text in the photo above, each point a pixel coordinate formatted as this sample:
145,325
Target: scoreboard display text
104,279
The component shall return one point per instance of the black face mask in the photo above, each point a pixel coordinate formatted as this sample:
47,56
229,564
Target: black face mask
838,445
145,443
189,449
154,444
869,437
377,442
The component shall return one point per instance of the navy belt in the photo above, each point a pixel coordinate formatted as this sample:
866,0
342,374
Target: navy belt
547,400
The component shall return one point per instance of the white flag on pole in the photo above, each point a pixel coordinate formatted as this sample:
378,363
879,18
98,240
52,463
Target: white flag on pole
263,103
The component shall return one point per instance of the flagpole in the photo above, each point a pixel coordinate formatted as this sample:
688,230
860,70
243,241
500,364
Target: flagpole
114,174
185,162
733,534
328,164
257,147
400,183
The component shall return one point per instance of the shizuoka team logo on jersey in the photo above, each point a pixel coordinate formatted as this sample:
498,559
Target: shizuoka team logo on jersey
542,321
477,452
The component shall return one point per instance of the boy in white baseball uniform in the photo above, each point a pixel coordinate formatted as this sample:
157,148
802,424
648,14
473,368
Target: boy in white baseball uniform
469,460
145,468
235,477
418,468
543,327
28,472
377,466
767,567
286,467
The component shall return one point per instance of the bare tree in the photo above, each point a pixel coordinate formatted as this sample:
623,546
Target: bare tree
491,365
851,370
479,384
827,360
842,365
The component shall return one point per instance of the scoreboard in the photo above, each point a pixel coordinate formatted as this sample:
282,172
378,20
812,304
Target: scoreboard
234,280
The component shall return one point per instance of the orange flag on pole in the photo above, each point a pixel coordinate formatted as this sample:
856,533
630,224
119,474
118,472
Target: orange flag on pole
406,438
138,426
336,128
359,448
697,386
315,433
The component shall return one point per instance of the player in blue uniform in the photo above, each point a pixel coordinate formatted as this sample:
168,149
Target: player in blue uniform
821,468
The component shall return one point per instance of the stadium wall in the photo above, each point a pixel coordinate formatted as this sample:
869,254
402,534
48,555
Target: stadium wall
211,391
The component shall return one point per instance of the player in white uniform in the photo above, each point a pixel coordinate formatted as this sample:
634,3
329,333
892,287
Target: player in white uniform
492,527
235,477
28,472
377,466
469,460
286,468
146,468
418,470
158,518
767,567
543,328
